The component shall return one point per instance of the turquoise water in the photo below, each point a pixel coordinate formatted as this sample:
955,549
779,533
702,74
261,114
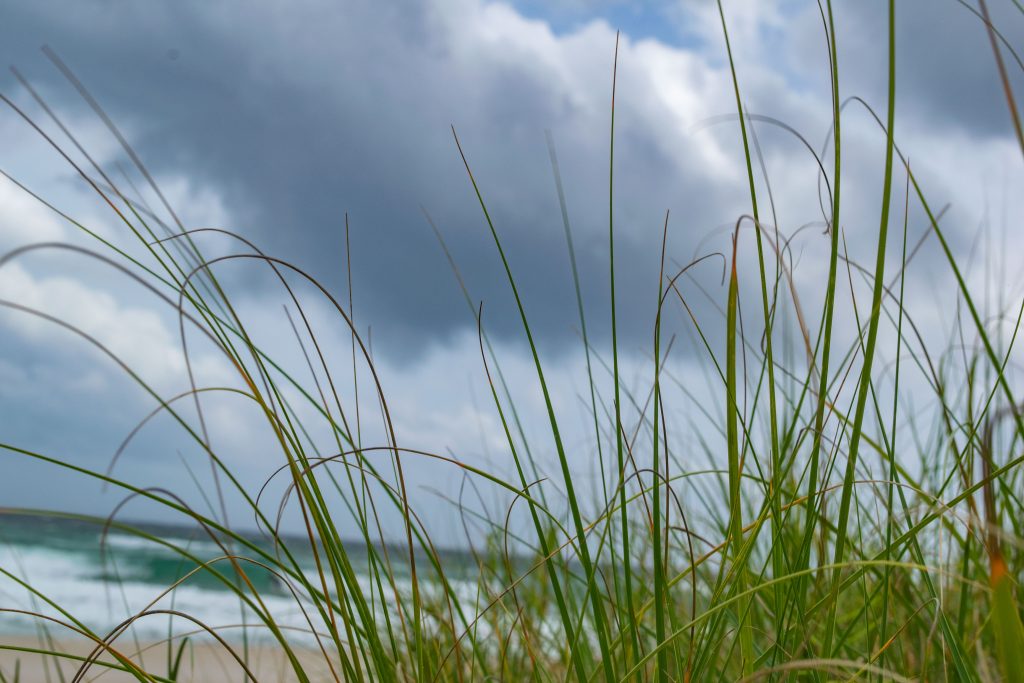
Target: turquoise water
101,580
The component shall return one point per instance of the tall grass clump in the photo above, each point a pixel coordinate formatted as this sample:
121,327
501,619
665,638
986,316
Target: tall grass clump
821,523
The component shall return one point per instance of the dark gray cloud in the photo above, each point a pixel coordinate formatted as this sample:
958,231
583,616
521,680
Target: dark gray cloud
296,115
946,72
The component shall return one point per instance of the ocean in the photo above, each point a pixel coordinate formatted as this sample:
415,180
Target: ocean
61,559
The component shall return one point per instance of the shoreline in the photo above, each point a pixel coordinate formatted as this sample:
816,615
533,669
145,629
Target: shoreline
204,661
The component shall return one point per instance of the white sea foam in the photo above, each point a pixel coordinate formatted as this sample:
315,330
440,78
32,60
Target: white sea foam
77,581
130,542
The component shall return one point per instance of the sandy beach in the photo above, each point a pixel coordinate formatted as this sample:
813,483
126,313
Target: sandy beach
204,662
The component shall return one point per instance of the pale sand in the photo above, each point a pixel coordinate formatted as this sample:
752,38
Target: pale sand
204,662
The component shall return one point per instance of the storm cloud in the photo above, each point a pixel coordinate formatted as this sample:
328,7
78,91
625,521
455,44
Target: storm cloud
276,119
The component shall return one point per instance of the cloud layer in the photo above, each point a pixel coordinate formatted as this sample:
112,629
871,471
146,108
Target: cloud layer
278,119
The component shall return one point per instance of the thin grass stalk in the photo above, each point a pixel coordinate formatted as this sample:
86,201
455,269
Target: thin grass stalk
893,474
869,349
778,560
584,551
819,413
628,610
733,438
660,553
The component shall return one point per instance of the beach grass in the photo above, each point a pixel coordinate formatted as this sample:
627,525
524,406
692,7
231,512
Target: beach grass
822,543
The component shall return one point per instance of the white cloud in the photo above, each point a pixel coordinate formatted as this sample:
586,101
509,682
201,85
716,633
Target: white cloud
137,335
24,220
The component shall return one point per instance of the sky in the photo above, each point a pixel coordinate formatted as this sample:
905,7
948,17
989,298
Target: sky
277,120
